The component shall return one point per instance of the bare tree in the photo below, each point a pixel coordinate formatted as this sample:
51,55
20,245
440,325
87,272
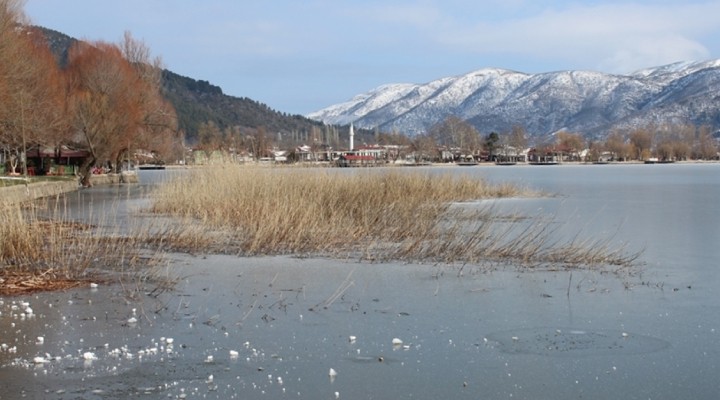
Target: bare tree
517,139
117,101
396,144
513,143
424,148
158,128
453,132
642,141
31,89
105,93
209,139
595,151
615,143
570,143
706,147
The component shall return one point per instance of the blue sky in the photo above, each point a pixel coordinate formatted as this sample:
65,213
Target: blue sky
299,56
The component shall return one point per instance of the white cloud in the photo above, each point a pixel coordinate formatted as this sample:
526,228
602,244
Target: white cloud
614,37
652,51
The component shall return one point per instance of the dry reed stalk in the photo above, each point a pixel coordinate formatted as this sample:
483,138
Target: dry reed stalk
46,250
339,292
293,210
380,214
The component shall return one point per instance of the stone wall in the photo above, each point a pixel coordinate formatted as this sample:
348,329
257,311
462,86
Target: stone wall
21,193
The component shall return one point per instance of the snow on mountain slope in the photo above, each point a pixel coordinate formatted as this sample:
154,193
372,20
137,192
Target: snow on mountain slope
360,105
584,101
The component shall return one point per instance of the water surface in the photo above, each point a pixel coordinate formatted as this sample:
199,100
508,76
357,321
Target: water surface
274,327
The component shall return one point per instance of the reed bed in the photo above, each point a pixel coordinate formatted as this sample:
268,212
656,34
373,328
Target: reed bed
376,214
46,250
290,211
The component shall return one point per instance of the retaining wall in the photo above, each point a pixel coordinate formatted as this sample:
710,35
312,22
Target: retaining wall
21,193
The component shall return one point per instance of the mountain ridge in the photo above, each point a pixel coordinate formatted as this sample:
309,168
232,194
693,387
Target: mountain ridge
496,99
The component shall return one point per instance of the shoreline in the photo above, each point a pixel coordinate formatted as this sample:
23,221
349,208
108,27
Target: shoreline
441,165
37,190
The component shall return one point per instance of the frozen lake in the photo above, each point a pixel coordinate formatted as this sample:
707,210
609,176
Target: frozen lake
274,327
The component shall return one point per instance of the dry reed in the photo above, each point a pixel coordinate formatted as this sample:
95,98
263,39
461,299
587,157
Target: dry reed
375,214
378,214
276,211
46,250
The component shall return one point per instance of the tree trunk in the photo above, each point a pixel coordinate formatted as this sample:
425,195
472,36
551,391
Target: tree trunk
86,171
119,160
13,164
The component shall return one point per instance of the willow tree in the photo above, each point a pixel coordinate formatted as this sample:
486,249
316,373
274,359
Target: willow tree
157,131
117,103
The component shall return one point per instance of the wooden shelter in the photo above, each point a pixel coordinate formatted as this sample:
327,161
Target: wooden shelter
60,160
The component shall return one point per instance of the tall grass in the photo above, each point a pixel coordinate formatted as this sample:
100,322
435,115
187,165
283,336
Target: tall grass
44,250
374,213
275,211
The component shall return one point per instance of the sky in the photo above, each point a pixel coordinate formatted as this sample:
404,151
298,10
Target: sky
299,56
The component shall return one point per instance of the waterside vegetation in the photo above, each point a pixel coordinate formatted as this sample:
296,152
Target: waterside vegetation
377,215
43,248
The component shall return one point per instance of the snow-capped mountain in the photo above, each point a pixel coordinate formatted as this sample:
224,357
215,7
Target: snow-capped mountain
591,103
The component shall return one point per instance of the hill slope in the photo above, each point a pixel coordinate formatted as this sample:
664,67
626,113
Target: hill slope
198,101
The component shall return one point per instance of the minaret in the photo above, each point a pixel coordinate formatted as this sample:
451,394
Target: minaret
352,136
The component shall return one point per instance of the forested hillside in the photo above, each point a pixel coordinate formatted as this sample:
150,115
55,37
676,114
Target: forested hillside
199,102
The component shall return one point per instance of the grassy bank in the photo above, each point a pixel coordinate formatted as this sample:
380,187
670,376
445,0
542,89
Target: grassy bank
375,214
